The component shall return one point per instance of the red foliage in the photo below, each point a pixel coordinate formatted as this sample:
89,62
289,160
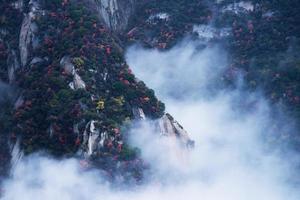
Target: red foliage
126,82
77,142
28,103
116,131
110,144
108,50
61,140
119,147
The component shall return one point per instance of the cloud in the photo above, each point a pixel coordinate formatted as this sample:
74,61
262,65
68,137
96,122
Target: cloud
186,67
235,131
234,157
44,178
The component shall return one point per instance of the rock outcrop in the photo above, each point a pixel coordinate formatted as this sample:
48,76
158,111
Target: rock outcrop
19,4
97,142
69,68
115,13
16,153
27,40
138,114
12,65
168,127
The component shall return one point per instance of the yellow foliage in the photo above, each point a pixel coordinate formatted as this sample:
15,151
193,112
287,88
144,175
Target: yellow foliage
100,105
78,62
119,100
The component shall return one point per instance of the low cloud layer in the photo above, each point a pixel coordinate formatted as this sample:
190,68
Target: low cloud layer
233,130
235,133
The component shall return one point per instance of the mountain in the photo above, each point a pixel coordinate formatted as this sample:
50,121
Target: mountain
75,92
71,92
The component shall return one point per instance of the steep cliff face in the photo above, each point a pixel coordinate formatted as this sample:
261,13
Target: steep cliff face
27,36
115,13
10,22
12,65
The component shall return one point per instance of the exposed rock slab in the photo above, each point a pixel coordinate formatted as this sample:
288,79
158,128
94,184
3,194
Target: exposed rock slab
115,13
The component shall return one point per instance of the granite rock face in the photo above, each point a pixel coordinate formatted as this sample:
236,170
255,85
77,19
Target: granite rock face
27,39
115,13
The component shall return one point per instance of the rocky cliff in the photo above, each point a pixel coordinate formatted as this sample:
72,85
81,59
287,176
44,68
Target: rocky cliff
115,13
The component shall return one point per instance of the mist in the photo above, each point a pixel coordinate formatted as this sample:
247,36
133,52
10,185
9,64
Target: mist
238,153
235,132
